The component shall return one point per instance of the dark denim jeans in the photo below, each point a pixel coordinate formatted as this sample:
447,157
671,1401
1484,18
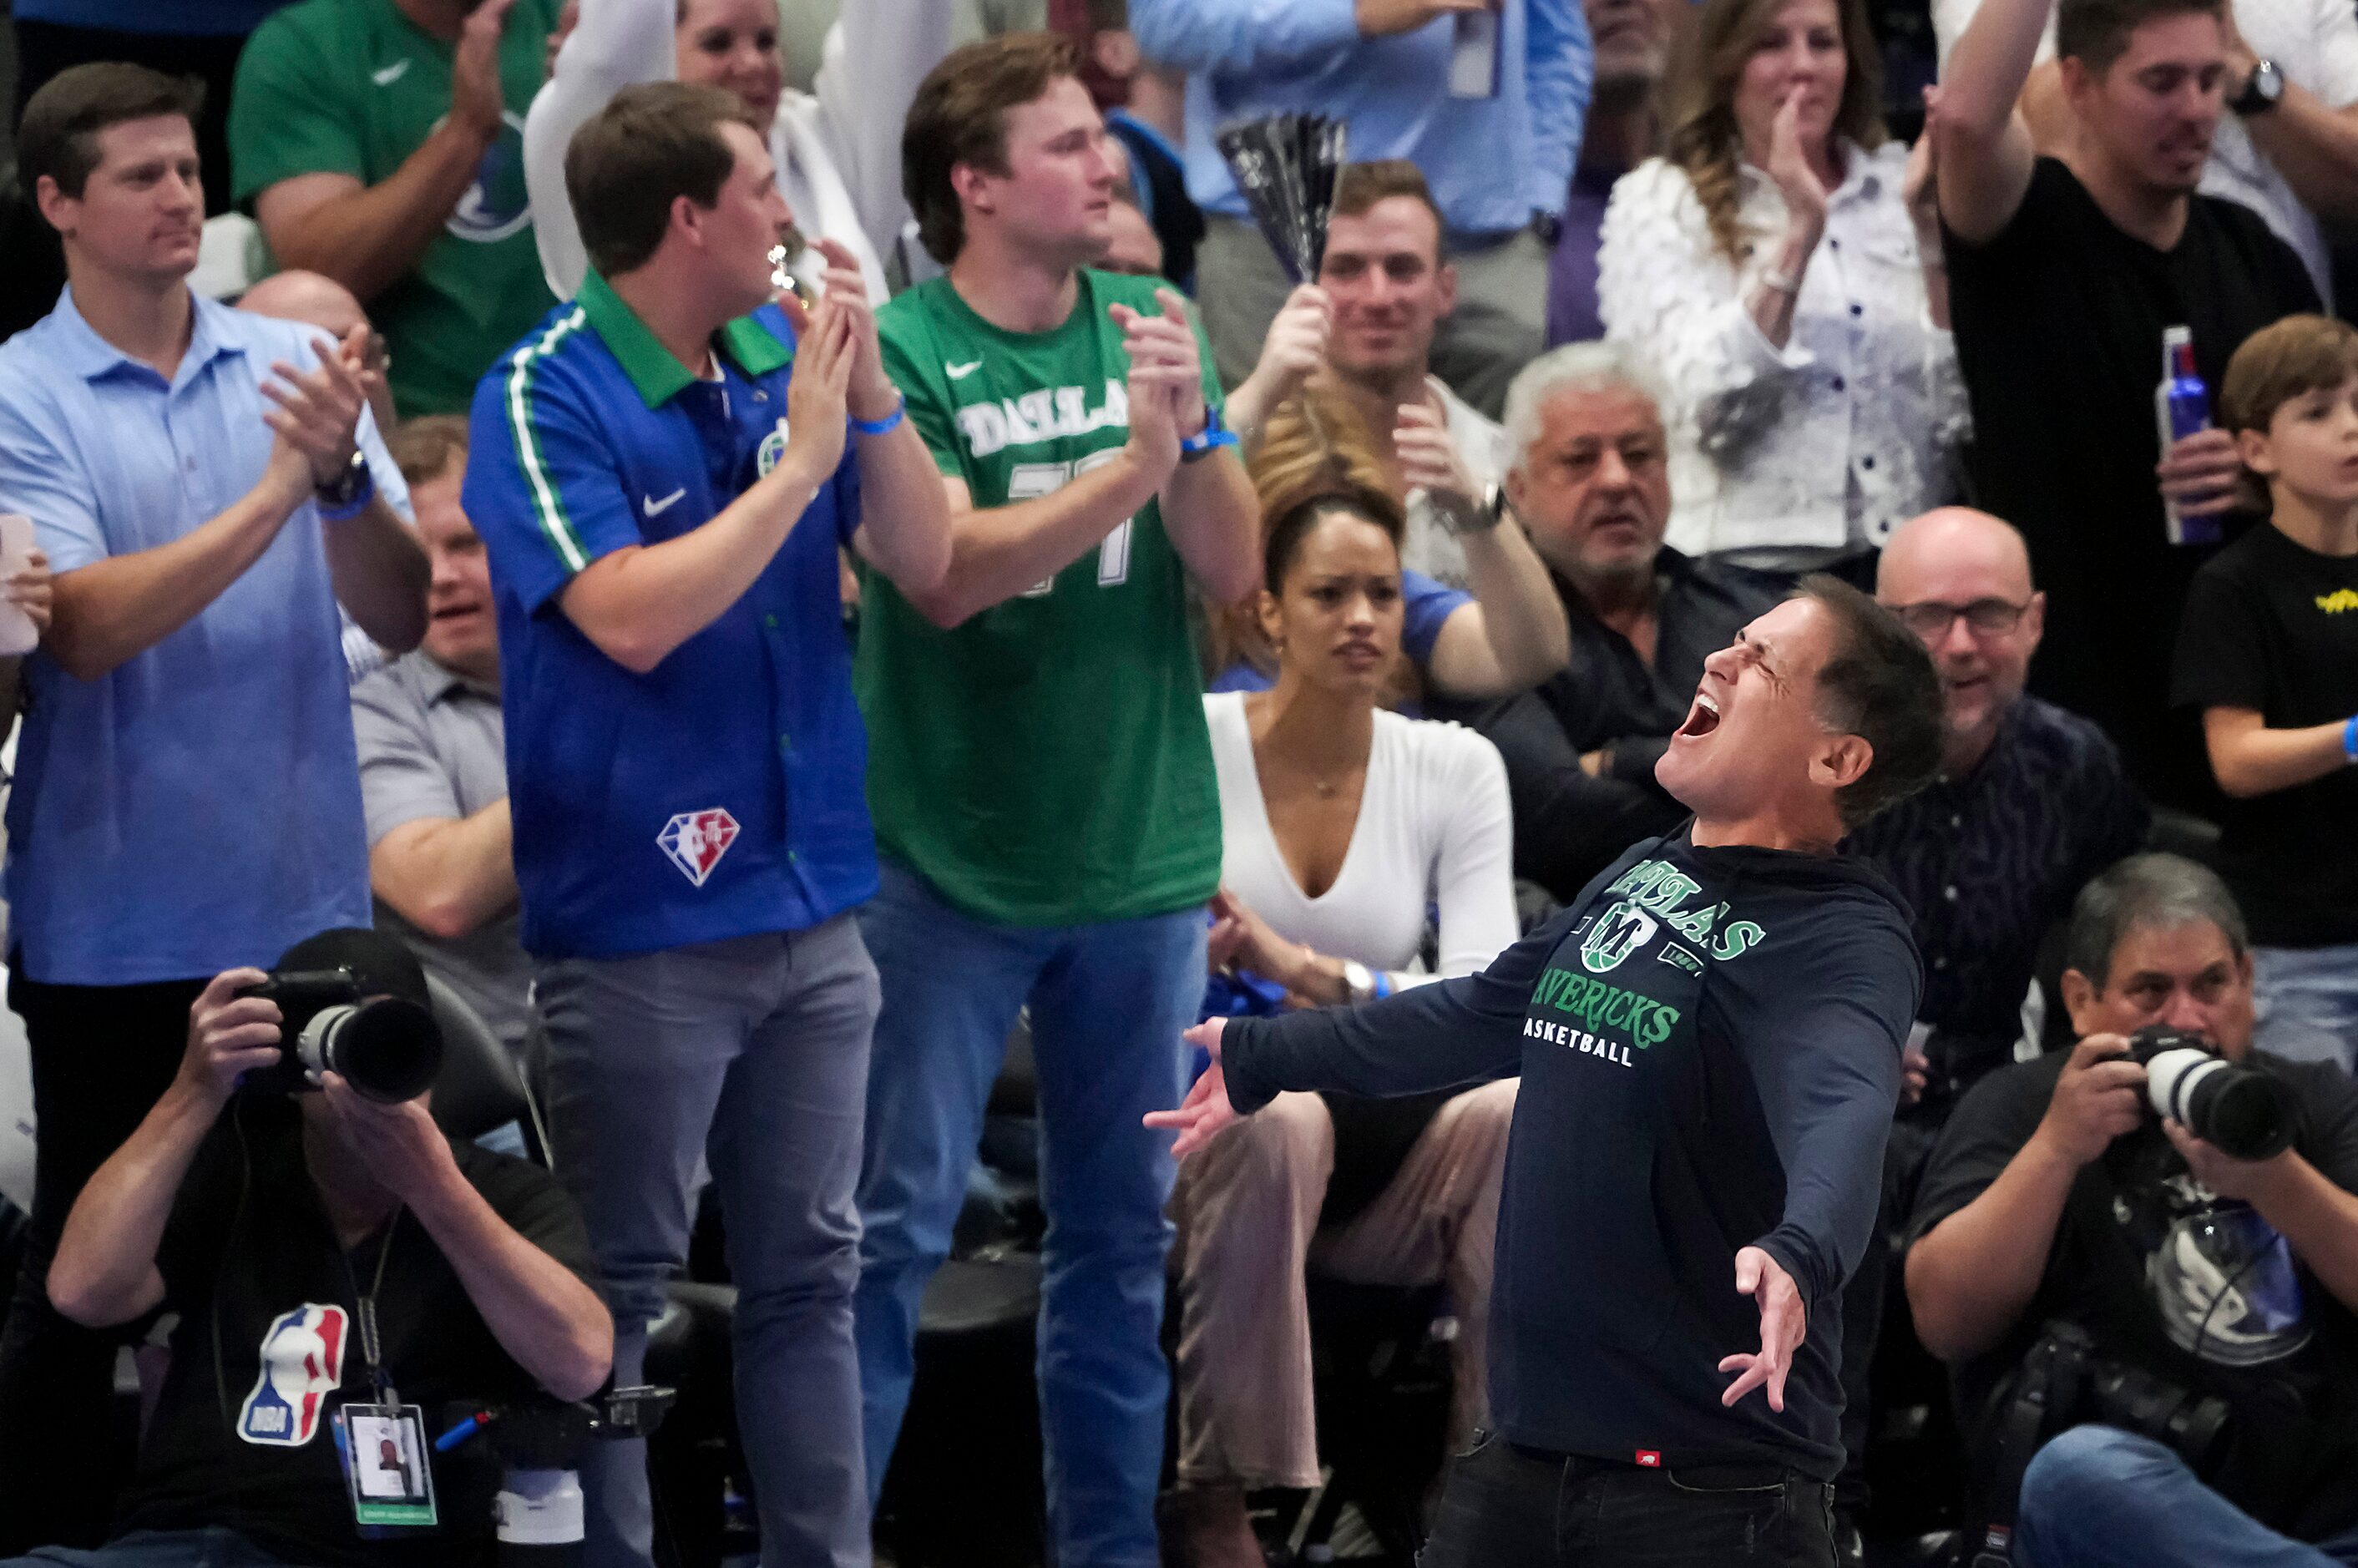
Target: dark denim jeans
1505,1507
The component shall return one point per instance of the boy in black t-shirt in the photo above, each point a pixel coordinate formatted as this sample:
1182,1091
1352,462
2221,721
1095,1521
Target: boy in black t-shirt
2269,653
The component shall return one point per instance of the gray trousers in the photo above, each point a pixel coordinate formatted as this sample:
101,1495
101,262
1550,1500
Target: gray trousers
749,1055
1498,327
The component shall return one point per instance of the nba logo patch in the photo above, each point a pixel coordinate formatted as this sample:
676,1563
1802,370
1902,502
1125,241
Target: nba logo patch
302,1364
696,840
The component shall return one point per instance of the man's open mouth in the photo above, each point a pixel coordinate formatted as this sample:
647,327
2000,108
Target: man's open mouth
1701,719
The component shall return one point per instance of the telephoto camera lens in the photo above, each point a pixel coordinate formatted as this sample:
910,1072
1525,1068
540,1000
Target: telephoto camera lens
387,1047
2242,1111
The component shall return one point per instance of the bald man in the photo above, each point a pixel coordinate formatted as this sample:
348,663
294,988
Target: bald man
2031,801
321,301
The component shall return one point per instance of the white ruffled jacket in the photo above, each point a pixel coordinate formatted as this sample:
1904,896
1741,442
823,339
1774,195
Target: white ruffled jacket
1834,440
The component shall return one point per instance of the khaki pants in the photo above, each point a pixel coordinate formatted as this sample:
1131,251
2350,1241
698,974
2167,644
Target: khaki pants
1498,327
1246,1207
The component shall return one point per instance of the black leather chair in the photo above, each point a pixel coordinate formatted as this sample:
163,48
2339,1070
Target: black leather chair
483,1087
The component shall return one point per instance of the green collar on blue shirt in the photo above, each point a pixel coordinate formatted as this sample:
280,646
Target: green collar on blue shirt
654,371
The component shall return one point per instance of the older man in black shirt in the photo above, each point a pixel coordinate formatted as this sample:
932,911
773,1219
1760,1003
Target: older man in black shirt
1590,482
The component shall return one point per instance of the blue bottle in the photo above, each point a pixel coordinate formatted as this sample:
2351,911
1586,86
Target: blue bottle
2181,406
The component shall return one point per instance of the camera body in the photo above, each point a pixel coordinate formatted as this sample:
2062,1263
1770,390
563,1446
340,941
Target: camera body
387,1047
2245,1112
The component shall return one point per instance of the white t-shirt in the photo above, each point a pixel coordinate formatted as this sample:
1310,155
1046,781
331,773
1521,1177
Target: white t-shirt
2313,42
1435,827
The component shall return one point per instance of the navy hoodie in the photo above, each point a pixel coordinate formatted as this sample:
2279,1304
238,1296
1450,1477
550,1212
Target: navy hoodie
1709,1043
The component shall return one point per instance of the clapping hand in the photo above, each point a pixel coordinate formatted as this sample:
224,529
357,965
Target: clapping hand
478,100
871,393
1789,166
1165,384
318,411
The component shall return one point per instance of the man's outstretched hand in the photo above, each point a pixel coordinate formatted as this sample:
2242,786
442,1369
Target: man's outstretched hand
1784,1323
1206,1111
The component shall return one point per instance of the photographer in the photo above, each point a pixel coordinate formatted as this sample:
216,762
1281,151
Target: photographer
2080,1259
277,1233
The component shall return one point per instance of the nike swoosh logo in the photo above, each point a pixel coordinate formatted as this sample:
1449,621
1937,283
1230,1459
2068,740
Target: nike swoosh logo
657,508
960,373
391,74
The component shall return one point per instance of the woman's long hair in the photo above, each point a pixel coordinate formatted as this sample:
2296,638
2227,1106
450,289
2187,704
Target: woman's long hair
1699,102
1315,452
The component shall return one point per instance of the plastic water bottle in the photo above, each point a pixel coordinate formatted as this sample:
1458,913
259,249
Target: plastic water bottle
2181,406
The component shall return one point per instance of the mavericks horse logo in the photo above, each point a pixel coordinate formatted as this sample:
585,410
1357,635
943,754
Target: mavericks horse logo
1619,932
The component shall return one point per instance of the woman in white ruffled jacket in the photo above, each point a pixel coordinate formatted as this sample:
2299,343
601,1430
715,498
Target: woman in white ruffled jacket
837,153
1780,264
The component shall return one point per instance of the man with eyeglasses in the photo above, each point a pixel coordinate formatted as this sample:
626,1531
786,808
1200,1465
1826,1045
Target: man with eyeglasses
2031,801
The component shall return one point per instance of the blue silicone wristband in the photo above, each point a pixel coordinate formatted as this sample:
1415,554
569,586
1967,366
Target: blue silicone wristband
882,427
2350,740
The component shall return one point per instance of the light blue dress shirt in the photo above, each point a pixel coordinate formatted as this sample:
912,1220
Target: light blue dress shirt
199,807
1492,162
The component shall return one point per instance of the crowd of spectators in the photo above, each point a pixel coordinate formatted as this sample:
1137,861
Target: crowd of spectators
754,685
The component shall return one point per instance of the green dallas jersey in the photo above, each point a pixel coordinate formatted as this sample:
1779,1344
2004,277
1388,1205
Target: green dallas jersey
1045,762
354,87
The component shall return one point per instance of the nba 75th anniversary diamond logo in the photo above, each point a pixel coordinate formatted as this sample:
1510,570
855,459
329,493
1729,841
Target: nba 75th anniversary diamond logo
696,839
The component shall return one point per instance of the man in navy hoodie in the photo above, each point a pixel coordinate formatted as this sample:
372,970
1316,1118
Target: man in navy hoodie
1709,1042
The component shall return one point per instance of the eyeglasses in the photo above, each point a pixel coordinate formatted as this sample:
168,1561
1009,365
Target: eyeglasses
1986,617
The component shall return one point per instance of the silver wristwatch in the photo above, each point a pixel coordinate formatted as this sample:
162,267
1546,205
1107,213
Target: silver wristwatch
1461,515
1359,982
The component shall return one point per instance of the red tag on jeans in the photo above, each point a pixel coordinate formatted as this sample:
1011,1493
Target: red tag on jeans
1651,1459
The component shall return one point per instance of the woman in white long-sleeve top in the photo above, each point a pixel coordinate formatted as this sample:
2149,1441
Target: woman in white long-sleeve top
836,153
1780,264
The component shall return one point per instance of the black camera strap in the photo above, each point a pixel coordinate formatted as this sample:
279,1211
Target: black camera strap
364,1310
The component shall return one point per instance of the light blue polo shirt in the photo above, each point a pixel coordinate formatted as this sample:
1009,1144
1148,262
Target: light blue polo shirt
722,793
199,807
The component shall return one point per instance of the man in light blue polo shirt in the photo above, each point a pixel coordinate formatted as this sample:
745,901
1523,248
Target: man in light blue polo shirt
660,473
1495,131
208,486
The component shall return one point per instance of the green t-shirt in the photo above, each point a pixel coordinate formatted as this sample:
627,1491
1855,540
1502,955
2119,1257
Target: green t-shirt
353,87
1045,762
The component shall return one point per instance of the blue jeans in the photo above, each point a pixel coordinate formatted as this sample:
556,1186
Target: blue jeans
1108,1003
752,1055
2100,1497
2305,1003
156,1549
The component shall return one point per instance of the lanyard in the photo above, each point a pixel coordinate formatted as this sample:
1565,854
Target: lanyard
372,1348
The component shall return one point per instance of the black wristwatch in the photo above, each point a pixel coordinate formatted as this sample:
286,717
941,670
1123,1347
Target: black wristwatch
2263,91
340,492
